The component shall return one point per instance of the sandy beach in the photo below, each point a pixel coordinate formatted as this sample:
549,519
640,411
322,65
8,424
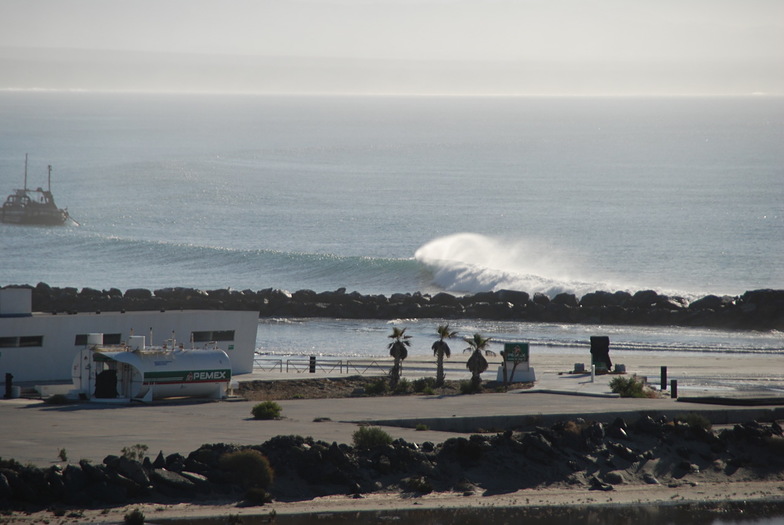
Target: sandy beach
34,432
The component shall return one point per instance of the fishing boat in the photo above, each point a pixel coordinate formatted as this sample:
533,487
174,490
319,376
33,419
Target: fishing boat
28,206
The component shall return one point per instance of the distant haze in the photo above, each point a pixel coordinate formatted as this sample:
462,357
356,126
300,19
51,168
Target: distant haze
535,47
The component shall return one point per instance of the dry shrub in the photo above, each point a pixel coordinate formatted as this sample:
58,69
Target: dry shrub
250,467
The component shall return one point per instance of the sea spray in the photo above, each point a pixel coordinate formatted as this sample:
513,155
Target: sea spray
471,263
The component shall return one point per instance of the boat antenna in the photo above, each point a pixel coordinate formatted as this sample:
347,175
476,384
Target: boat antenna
50,178
25,181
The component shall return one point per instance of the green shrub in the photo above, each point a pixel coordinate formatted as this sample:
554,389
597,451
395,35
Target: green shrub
696,421
403,387
257,496
57,399
266,410
421,427
423,384
63,455
135,517
418,484
250,467
428,391
630,387
369,437
10,463
135,452
378,387
468,387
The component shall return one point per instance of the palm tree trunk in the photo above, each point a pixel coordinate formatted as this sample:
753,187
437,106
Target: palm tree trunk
394,374
440,370
476,381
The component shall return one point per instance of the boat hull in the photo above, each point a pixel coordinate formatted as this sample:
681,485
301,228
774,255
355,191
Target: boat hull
33,217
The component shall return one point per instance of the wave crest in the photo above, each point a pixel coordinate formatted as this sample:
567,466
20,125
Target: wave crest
471,263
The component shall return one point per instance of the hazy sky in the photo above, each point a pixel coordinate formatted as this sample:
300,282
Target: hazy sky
722,33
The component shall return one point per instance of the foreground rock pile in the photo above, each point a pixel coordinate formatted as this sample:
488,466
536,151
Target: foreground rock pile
756,310
587,455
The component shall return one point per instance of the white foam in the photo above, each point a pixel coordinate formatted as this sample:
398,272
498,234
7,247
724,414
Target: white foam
471,263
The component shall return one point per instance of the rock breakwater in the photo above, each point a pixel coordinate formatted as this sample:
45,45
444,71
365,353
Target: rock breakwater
753,310
581,454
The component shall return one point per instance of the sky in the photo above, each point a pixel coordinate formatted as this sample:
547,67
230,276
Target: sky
487,46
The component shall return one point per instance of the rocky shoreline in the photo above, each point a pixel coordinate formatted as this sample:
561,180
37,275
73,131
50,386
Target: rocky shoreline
753,310
576,455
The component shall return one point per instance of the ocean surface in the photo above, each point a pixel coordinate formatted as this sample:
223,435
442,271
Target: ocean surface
402,194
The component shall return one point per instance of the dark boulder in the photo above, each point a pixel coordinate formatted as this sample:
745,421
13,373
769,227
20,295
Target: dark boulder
138,293
599,298
644,299
566,299
514,297
90,293
711,302
444,299
541,299
172,480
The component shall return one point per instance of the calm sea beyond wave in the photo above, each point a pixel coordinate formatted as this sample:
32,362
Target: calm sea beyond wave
401,194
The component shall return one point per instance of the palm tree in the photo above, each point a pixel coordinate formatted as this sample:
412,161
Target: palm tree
441,349
398,350
477,362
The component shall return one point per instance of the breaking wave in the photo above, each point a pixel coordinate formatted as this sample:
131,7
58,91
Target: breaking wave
471,263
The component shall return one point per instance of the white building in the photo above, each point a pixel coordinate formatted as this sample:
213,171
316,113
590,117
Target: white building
40,347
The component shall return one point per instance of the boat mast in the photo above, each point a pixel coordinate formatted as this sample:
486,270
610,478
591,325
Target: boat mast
50,178
25,182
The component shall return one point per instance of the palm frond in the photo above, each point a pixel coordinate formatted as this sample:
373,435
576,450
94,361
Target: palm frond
440,346
444,332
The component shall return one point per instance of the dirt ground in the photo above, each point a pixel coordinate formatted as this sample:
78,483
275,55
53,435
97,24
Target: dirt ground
353,386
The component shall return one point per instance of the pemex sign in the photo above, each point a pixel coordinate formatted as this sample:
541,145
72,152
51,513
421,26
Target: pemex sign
188,376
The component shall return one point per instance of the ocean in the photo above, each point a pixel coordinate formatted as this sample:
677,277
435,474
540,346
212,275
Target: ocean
389,194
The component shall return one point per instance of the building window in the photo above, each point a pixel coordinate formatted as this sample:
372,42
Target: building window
31,340
9,342
212,335
22,341
108,339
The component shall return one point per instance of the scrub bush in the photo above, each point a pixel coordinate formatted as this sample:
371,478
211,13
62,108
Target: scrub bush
266,410
135,517
377,388
57,399
697,421
249,467
403,387
630,387
469,387
135,452
424,384
369,437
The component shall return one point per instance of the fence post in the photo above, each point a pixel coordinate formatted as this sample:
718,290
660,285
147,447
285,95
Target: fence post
313,364
664,378
674,389
9,385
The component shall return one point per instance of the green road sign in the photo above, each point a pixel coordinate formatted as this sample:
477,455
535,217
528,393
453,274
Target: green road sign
516,352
